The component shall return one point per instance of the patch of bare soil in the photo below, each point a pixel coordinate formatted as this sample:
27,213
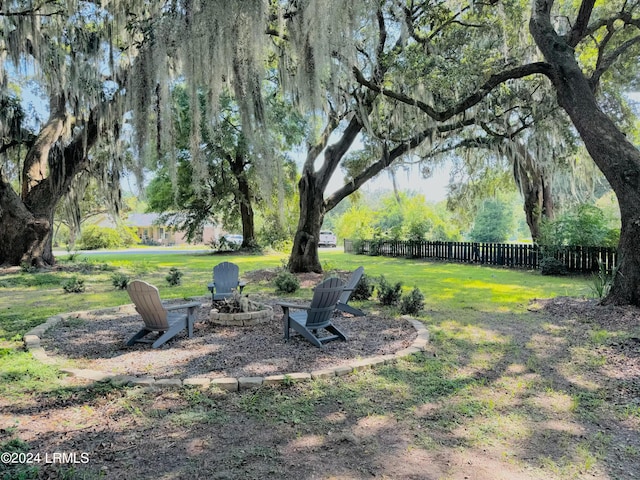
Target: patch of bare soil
620,326
97,341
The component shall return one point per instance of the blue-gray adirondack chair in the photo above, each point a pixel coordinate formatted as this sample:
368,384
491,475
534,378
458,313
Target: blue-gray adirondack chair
346,294
317,315
157,317
225,281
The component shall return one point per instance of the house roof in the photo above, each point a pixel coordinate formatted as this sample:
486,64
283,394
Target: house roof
142,219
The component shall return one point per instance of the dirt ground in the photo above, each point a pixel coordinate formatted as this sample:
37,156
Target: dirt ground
96,341
138,433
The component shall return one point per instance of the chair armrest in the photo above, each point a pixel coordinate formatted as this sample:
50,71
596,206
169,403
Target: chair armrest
182,305
293,305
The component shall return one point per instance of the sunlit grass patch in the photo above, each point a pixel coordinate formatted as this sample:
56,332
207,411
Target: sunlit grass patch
19,374
588,404
196,416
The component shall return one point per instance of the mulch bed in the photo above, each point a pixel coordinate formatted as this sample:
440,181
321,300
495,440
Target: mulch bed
96,340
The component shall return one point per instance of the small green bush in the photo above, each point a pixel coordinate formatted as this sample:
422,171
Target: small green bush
128,236
412,303
364,289
286,282
120,281
552,266
174,277
282,246
94,237
389,294
73,285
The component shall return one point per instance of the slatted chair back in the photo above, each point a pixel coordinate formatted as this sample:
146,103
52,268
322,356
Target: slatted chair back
146,298
351,285
225,278
323,303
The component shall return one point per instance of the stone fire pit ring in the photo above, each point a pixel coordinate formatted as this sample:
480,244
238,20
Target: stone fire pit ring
263,314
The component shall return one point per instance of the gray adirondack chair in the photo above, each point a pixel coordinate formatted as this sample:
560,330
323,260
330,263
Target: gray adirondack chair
225,281
343,301
158,317
317,315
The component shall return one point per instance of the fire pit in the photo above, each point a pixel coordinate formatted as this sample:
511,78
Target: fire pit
239,311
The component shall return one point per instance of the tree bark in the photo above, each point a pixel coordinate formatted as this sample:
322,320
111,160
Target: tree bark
535,188
304,254
27,219
243,198
24,237
609,148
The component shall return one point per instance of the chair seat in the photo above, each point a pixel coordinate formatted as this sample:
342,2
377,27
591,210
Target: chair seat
302,317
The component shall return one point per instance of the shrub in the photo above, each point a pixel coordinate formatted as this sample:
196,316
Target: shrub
286,282
73,285
584,225
552,266
95,237
174,277
602,281
120,281
412,303
363,290
388,294
223,245
128,236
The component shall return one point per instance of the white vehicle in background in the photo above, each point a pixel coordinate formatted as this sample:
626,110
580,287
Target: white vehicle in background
327,239
233,239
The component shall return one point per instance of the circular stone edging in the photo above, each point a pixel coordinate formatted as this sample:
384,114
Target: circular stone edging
33,345
241,319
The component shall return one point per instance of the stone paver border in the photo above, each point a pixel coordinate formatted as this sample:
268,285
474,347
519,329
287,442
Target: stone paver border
33,345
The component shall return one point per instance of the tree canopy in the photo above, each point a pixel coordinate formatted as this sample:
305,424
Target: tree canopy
410,76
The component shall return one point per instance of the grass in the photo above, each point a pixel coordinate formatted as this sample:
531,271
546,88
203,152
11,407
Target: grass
497,378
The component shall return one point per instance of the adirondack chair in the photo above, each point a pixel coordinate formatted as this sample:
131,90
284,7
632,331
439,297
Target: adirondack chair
317,315
158,317
225,281
343,301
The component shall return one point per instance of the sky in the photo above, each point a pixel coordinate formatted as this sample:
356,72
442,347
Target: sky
434,188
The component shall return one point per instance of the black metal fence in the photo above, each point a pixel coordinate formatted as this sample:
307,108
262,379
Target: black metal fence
514,255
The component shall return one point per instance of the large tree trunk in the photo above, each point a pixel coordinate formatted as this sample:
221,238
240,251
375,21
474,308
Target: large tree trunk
243,198
246,214
27,219
25,237
304,254
534,187
616,157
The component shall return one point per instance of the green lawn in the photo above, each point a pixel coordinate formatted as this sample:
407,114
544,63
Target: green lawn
500,385
29,298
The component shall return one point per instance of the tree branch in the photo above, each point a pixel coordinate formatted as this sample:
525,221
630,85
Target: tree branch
605,63
581,26
468,102
387,159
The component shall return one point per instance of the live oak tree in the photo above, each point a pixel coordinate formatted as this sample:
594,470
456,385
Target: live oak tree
228,193
562,34
61,47
388,130
86,58
614,29
96,61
